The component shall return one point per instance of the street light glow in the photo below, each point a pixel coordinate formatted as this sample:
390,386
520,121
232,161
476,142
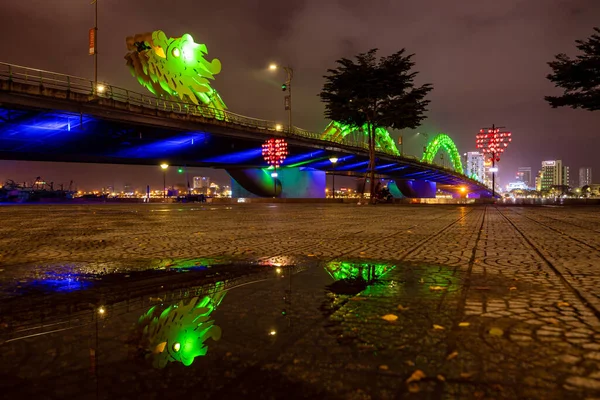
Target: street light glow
279,127
164,165
273,67
100,88
333,160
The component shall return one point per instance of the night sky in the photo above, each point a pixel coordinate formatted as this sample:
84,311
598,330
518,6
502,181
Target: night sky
485,58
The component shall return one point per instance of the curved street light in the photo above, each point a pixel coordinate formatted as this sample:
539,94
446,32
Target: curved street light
164,167
286,86
333,161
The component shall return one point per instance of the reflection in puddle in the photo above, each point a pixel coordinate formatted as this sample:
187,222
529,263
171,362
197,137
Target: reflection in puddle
340,270
178,332
58,282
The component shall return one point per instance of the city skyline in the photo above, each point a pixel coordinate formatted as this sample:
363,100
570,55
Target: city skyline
513,90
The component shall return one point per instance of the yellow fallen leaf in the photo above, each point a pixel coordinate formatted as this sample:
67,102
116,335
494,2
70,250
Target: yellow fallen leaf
513,288
401,308
466,375
463,324
413,388
553,321
563,304
496,332
436,288
422,280
452,355
441,378
438,327
410,363
416,376
390,317
383,367
362,252
310,255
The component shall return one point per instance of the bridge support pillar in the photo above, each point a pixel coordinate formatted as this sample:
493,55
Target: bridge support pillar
291,183
417,189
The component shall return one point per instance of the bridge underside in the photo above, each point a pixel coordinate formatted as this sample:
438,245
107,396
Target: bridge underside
32,133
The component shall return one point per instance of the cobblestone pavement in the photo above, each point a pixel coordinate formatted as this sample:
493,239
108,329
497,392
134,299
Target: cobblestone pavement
482,302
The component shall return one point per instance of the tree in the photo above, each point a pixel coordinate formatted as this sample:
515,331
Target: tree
579,77
378,93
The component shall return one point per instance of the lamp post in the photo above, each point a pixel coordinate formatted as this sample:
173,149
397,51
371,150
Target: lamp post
95,44
334,161
164,167
286,86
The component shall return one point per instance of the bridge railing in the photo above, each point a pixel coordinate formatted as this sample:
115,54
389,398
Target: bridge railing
73,84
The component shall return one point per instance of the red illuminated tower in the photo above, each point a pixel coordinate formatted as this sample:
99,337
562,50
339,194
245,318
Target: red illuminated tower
492,143
274,151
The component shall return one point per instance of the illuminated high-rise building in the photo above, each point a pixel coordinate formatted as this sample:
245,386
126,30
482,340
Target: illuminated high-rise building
524,175
474,165
554,173
585,176
201,182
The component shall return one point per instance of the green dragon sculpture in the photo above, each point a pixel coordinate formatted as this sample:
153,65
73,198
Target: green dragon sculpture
177,67
174,67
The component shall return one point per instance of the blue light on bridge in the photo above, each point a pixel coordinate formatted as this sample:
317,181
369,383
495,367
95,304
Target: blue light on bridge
304,157
326,164
40,129
353,166
385,166
165,148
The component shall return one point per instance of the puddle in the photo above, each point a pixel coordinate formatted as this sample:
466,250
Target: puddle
269,329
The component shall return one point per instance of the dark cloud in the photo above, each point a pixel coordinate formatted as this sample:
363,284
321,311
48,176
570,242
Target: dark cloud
486,58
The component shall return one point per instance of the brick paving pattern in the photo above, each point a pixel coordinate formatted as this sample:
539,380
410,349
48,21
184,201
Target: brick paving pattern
491,302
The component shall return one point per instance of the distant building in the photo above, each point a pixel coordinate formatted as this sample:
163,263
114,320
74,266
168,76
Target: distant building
474,165
201,182
128,188
524,175
538,181
585,176
554,173
516,185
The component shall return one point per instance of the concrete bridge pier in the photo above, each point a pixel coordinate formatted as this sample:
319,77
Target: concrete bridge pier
291,183
416,189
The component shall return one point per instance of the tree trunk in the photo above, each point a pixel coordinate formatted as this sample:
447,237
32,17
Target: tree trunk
372,161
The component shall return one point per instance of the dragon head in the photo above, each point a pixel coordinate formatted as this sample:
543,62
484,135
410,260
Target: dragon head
174,67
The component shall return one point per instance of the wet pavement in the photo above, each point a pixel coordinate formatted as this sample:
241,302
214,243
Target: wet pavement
299,301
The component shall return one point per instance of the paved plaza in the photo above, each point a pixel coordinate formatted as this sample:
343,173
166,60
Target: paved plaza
475,302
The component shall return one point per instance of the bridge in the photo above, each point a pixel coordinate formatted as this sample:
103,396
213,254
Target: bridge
47,116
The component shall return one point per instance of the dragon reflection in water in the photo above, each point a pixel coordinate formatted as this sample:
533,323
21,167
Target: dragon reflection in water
178,333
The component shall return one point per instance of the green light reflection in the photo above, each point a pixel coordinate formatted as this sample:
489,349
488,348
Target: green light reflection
341,270
178,332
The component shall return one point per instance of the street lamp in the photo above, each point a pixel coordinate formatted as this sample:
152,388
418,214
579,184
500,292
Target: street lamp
164,167
334,161
286,86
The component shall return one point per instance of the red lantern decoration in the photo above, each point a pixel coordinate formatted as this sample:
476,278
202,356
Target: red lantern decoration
493,143
274,151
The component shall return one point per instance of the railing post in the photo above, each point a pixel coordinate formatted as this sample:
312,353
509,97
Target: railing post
69,83
41,79
9,73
